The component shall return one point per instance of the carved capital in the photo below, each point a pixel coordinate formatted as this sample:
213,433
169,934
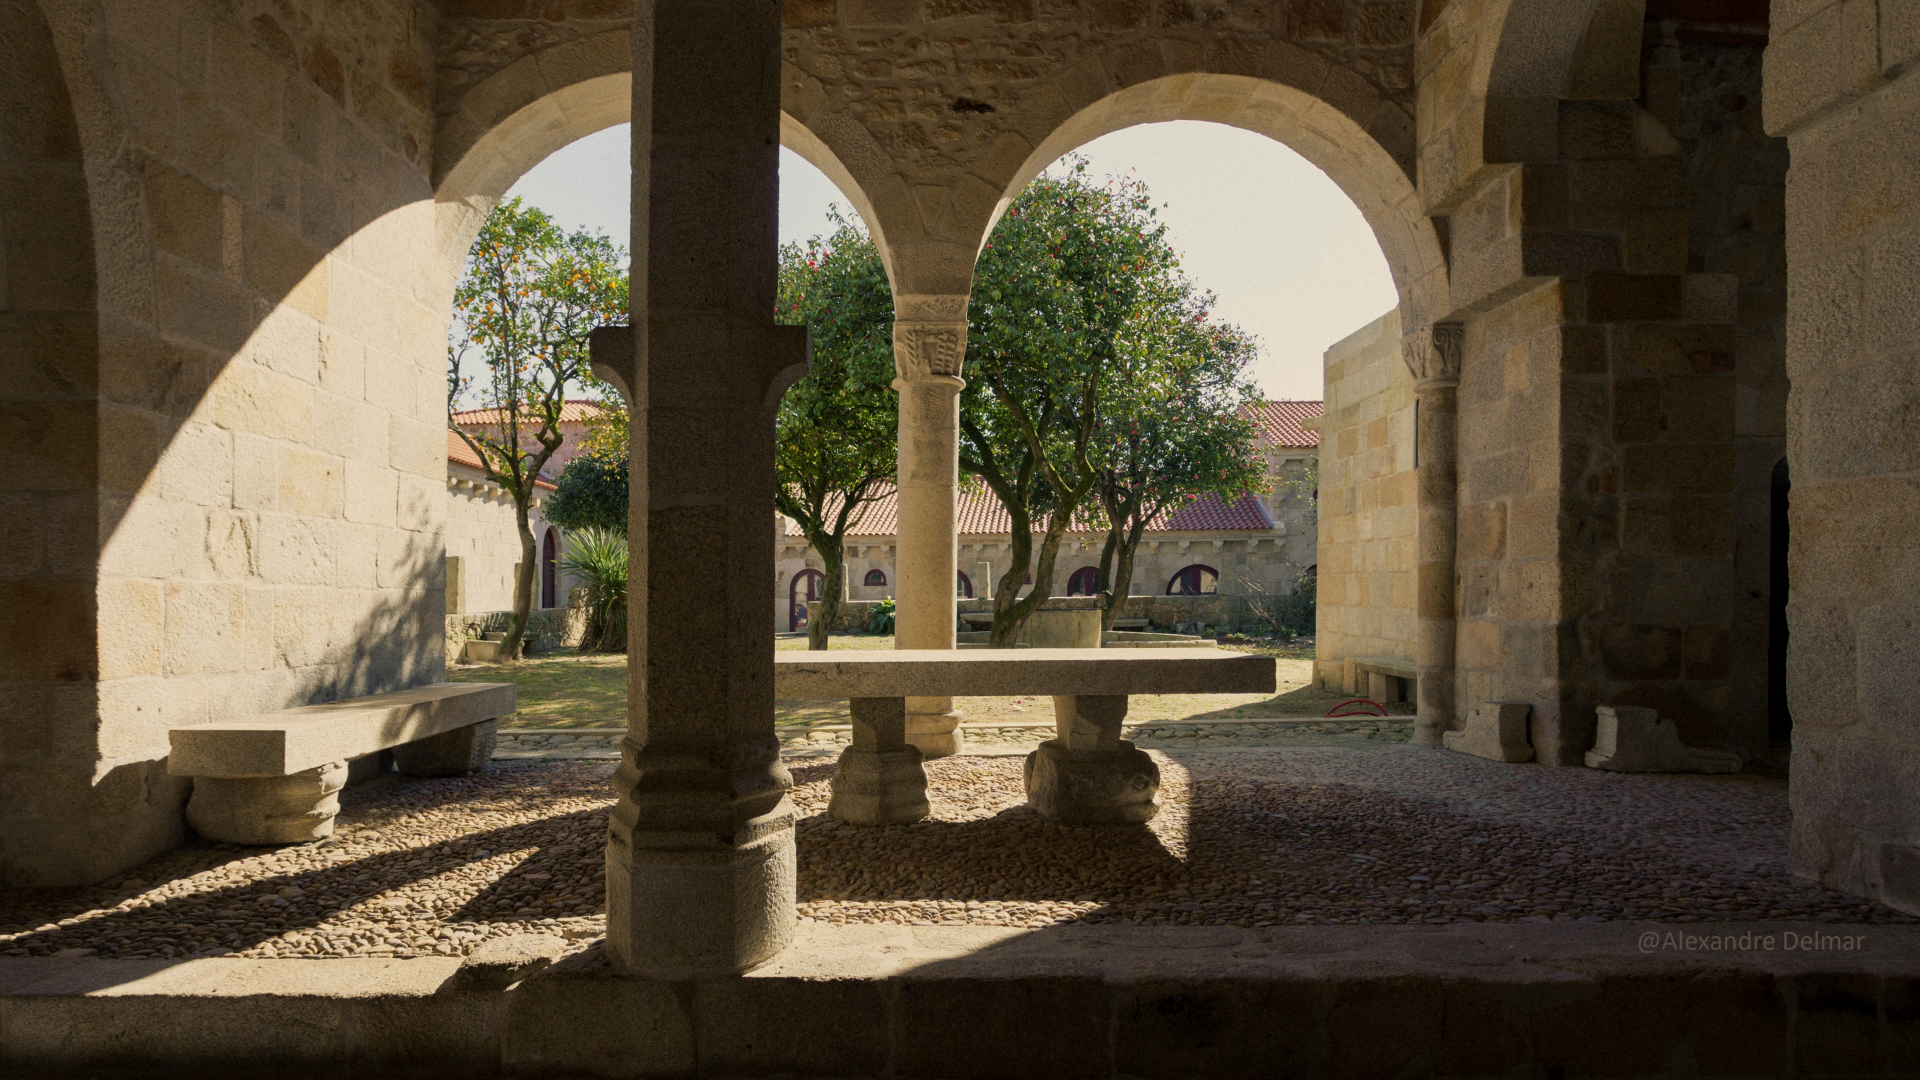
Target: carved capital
1432,354
922,350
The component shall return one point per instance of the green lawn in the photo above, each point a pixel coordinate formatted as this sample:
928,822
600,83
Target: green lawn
565,689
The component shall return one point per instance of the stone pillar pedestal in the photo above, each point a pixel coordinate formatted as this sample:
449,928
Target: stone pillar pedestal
700,857
929,343
1087,774
293,809
879,781
1433,356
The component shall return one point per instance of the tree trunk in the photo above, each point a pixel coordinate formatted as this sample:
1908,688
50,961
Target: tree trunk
522,586
1009,618
1005,629
1122,583
831,589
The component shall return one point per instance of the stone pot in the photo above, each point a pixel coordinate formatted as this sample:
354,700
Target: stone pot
1064,622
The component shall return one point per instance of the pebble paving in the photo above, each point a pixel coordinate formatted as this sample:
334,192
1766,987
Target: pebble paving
1371,832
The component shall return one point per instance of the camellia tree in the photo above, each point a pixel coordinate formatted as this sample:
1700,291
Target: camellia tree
530,294
1180,427
591,492
836,431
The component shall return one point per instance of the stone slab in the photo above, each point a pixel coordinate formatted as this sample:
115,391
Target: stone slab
295,740
860,1001
1000,672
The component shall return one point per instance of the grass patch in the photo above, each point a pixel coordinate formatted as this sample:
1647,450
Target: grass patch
560,689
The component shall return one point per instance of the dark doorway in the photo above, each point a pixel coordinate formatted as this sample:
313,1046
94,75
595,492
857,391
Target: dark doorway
1779,716
549,550
807,585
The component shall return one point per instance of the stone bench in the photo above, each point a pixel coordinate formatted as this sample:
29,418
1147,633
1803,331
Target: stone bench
1085,775
275,778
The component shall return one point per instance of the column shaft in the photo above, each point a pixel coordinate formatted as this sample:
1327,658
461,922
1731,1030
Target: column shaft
700,857
930,341
1433,357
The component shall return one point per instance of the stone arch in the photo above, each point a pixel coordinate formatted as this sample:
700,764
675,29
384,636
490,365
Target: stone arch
1541,56
517,116
1375,175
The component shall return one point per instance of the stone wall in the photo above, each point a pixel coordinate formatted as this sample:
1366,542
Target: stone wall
482,535
263,390
1367,516
1843,87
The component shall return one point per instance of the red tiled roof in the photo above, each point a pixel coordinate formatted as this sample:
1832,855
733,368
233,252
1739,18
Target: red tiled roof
573,411
981,514
1280,422
459,453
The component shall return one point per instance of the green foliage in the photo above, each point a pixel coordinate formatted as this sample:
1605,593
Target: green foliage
1292,613
1097,388
837,429
599,558
530,294
880,618
591,493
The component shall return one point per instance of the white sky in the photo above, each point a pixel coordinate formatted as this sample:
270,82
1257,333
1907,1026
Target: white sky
1287,252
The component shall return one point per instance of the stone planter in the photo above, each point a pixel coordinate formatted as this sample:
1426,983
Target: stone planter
1063,622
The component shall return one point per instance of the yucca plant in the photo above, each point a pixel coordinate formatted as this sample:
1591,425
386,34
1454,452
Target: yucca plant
599,558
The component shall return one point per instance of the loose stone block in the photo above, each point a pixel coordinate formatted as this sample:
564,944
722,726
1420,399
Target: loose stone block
880,780
1497,731
1093,787
1634,739
461,752
268,809
501,962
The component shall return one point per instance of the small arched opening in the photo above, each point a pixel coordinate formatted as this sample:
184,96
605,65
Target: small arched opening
807,586
964,587
1084,581
875,579
1195,580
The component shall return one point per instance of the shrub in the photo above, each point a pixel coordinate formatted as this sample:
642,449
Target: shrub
599,557
880,618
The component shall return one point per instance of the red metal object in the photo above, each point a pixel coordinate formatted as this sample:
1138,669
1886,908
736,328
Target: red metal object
1335,712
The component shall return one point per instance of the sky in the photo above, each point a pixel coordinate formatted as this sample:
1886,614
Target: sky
1286,251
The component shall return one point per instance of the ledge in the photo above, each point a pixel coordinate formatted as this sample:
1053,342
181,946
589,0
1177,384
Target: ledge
1572,999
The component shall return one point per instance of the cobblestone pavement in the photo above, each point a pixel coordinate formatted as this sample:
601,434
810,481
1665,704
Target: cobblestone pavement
1344,834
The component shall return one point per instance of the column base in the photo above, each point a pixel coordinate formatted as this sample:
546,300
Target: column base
879,787
701,866
936,734
1093,787
293,809
461,752
1429,733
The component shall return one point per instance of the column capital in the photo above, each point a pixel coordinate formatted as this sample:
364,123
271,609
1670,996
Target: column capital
1432,353
928,349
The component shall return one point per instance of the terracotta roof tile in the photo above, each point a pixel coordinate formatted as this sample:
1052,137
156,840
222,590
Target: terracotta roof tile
459,453
573,411
981,514
1280,423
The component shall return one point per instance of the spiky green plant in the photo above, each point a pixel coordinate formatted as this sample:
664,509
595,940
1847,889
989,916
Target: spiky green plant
599,558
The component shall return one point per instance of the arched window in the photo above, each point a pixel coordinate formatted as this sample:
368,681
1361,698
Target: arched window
548,584
1084,581
1195,580
1029,578
874,577
965,586
806,586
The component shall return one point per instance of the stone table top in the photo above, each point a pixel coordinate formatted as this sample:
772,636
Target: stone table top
294,740
865,673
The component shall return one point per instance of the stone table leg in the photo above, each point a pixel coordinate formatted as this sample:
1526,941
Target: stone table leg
1087,774
268,809
879,781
